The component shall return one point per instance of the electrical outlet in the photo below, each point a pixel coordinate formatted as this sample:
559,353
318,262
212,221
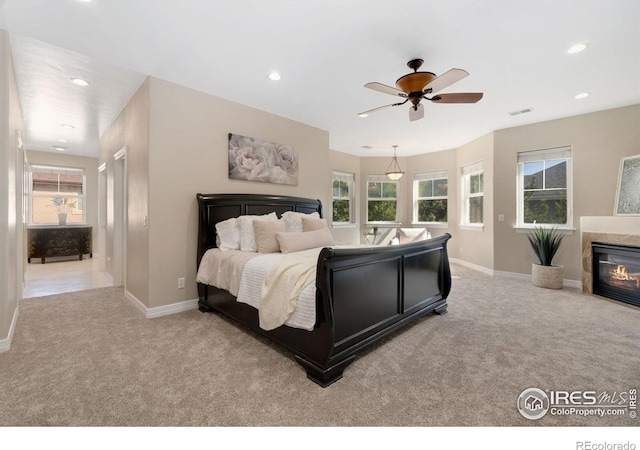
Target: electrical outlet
180,283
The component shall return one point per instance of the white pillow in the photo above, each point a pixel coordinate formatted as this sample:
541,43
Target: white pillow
296,241
247,234
265,232
228,233
293,220
313,223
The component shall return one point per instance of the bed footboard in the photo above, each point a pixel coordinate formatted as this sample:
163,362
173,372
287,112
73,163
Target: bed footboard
369,293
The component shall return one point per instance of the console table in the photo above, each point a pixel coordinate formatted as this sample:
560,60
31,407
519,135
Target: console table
50,241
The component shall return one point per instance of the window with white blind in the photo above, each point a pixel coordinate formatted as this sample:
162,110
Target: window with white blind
382,203
430,195
472,189
343,197
53,190
544,188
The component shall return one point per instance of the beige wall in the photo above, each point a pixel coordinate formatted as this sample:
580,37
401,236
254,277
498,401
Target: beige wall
177,147
130,131
470,244
91,171
11,182
598,141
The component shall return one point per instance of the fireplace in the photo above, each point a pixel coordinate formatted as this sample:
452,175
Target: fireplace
616,272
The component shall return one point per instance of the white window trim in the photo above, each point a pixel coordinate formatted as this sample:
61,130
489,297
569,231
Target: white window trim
351,179
544,155
385,179
466,172
433,175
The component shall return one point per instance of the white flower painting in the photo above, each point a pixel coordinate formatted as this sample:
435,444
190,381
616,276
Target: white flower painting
255,160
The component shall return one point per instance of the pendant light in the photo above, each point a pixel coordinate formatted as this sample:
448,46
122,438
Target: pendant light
393,171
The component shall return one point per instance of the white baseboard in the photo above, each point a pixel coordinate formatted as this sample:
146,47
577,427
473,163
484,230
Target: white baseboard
476,267
518,276
160,311
5,344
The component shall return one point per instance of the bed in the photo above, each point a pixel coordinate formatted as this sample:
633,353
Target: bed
361,294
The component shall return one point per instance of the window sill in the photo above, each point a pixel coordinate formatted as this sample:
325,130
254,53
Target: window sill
526,229
431,224
383,224
343,225
471,227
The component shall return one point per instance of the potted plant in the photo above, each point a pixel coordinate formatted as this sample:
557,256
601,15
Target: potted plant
64,206
545,243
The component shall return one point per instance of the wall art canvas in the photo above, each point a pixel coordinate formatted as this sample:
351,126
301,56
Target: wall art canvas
628,195
252,159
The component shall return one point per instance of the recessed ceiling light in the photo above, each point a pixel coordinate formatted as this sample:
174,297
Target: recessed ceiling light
581,95
274,76
66,125
363,115
59,148
577,48
79,81
367,147
62,140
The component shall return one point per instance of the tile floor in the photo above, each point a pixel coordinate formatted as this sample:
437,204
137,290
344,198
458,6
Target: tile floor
65,275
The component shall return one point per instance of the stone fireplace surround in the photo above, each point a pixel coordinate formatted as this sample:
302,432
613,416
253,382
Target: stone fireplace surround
617,230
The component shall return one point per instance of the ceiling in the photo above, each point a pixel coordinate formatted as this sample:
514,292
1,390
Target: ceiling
325,51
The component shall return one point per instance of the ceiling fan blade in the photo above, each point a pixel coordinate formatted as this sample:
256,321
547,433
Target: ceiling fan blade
366,113
385,89
445,80
462,97
416,114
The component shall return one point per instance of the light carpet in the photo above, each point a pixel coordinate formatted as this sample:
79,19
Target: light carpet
90,359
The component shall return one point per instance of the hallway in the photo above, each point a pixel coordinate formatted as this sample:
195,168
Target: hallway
56,277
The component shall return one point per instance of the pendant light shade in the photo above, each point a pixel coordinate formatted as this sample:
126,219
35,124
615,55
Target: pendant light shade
393,171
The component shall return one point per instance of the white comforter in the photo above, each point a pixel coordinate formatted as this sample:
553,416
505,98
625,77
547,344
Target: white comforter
248,276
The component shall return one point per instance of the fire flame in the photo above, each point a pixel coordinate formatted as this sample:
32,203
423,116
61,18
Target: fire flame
620,273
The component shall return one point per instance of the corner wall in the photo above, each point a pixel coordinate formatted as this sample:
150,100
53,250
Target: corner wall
11,190
130,130
598,141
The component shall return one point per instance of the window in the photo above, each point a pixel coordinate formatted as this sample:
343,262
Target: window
381,199
473,194
343,195
430,197
54,189
544,187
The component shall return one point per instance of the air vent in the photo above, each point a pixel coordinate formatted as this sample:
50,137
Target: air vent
521,111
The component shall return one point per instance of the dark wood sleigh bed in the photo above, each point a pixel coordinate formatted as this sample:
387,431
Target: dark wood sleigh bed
362,294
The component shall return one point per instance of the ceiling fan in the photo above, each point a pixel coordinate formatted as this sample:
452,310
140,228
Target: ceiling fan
416,86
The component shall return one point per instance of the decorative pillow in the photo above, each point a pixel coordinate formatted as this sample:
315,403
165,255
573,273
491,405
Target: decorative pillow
247,234
313,223
406,235
296,241
228,234
293,220
265,232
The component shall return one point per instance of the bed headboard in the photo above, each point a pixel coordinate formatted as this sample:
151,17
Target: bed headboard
214,208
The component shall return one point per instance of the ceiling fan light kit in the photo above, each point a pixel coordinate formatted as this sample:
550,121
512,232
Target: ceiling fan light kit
416,86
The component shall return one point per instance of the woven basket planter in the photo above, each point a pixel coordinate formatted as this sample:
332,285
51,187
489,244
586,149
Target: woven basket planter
549,277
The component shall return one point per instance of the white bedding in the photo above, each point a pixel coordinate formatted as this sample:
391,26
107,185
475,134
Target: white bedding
243,275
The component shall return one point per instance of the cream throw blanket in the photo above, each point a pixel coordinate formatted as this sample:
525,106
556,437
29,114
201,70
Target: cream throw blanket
282,285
